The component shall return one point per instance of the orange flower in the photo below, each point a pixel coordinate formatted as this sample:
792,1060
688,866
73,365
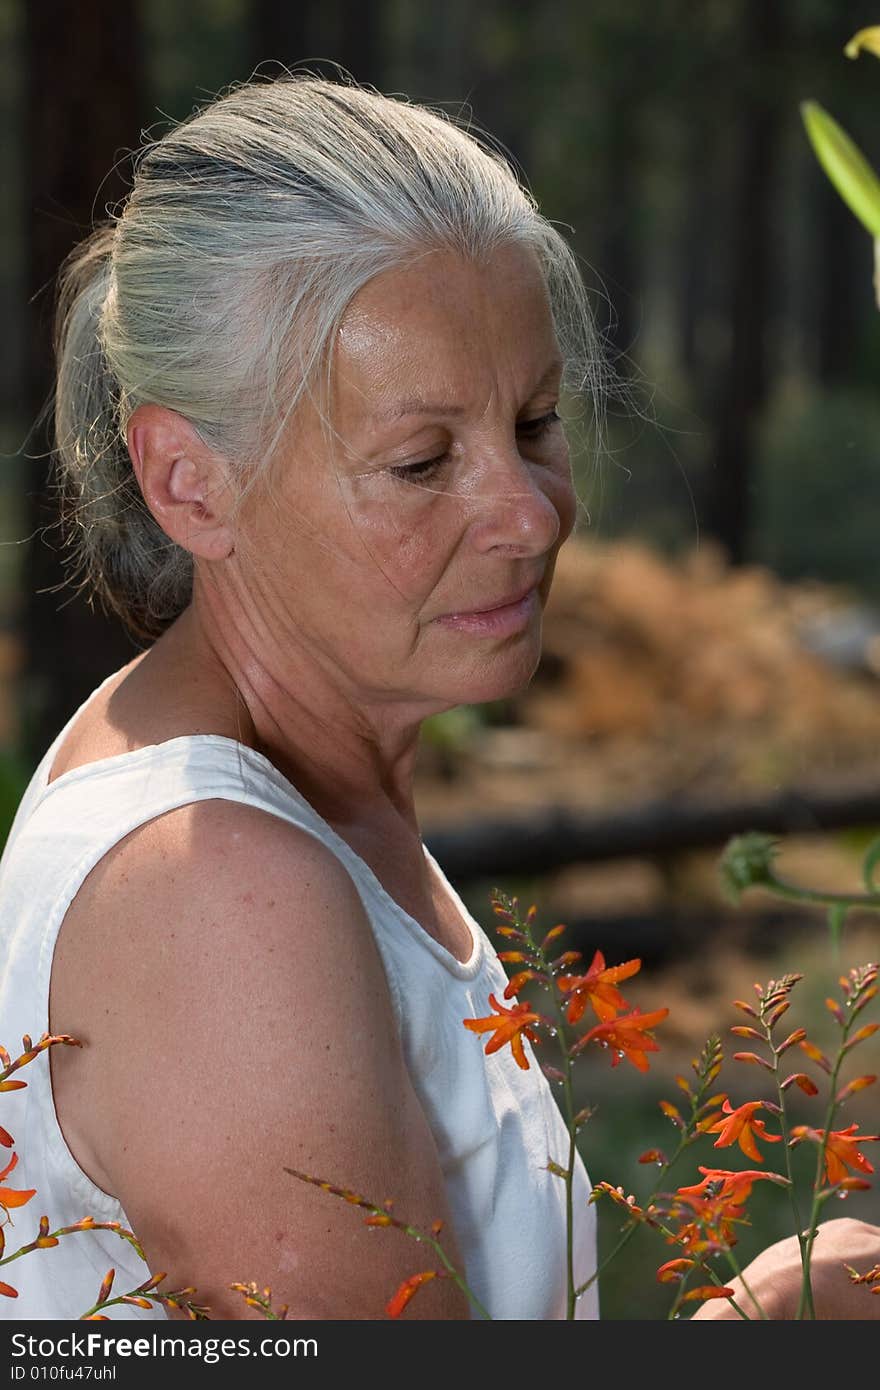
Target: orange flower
395,1306
736,1187
8,1197
706,1218
508,1026
628,1036
707,1291
741,1126
597,988
707,1214
674,1269
841,1150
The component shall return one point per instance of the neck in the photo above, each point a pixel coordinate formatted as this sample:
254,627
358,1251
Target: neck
350,752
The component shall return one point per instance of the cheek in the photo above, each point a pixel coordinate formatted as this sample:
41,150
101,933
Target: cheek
407,552
421,554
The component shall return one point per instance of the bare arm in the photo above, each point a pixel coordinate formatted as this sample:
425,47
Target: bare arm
242,1024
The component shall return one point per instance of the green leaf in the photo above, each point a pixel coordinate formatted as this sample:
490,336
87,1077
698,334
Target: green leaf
844,164
865,41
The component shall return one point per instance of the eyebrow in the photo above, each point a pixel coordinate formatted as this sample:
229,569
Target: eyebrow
416,405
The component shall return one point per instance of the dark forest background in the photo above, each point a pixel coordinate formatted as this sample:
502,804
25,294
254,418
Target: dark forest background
733,284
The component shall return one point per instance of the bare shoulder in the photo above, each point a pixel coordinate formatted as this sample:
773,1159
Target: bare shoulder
222,972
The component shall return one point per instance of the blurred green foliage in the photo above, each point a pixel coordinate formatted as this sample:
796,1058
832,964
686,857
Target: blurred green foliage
817,489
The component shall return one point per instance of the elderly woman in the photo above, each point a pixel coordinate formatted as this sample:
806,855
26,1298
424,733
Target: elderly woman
307,417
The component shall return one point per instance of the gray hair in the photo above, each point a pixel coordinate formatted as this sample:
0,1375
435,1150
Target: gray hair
218,289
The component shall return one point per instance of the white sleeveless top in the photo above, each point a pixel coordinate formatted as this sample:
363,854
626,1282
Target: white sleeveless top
494,1124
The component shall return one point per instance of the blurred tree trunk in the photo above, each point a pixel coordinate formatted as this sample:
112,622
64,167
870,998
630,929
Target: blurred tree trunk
360,44
350,34
618,260
744,378
841,243
695,244
279,33
83,112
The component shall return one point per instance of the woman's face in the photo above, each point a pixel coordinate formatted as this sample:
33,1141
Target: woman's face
414,552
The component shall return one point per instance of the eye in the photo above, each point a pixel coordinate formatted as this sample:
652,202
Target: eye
420,472
534,429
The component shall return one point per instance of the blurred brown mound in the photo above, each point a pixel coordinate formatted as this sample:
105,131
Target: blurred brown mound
642,645
661,676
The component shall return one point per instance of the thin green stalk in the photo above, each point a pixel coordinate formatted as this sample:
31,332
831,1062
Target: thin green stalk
817,1186
710,1273
628,1234
806,1287
734,1264
456,1277
569,1195
561,1032
810,895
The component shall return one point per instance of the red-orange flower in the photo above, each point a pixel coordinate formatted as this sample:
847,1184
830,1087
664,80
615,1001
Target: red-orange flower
508,1026
597,988
736,1186
674,1269
395,1306
708,1226
706,1217
841,1150
628,1036
8,1197
741,1127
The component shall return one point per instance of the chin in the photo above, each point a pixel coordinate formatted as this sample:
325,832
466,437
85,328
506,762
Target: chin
500,680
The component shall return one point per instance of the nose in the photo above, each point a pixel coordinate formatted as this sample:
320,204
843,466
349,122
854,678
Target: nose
518,508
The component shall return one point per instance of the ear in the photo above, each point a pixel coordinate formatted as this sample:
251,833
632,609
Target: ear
185,484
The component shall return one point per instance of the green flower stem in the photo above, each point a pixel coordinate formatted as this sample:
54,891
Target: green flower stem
687,1137
806,1302
572,1293
627,1236
72,1231
734,1265
806,1287
448,1265
676,1303
569,1195
25,1249
809,895
108,1303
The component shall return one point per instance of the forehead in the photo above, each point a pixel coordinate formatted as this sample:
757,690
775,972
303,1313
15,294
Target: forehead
445,325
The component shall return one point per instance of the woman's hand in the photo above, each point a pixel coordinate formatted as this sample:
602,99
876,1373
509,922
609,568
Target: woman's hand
774,1276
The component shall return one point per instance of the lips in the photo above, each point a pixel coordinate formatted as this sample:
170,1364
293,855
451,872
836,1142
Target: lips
516,596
